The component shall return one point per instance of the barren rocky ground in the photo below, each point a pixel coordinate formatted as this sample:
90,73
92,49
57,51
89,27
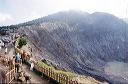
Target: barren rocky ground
88,44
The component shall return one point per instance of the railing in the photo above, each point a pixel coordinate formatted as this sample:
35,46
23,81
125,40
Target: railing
60,78
10,76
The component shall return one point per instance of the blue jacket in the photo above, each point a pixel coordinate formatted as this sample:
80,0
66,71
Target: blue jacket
18,57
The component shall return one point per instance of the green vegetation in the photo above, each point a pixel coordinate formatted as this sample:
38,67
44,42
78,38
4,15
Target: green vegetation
69,74
17,41
21,42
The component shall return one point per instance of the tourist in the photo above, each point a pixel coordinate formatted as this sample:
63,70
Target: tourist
23,56
6,50
13,61
14,43
18,58
32,65
0,47
31,52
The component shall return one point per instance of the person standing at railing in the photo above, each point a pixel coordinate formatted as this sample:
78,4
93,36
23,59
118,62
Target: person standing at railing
6,50
0,47
13,61
23,56
14,43
18,58
32,65
18,61
31,52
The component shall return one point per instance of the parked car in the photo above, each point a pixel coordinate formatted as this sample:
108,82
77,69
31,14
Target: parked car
5,40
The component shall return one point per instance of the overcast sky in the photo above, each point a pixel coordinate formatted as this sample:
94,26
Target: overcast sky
17,11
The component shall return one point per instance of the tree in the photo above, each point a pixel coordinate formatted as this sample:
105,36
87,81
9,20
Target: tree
22,41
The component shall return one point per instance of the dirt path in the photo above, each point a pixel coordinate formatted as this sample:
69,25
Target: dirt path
34,77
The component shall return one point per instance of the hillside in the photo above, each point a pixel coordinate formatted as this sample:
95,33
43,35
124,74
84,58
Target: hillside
88,44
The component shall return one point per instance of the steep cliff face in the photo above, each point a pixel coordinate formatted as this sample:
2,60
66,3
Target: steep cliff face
81,42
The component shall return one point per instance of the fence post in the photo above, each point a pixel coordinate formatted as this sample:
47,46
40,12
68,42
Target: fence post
44,71
53,75
60,78
49,72
67,80
72,82
11,74
39,69
57,77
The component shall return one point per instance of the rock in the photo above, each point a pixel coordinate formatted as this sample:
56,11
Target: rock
105,83
83,44
44,60
21,79
16,76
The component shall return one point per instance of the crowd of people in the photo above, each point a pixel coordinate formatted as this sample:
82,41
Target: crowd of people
9,64
19,59
16,61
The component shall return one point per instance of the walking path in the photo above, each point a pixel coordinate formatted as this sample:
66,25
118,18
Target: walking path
34,77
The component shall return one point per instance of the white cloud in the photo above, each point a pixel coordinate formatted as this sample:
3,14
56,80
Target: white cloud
25,10
5,18
33,15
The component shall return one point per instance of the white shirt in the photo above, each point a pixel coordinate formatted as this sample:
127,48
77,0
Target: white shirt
5,49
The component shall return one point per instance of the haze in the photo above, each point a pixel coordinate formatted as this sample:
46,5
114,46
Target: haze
18,11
